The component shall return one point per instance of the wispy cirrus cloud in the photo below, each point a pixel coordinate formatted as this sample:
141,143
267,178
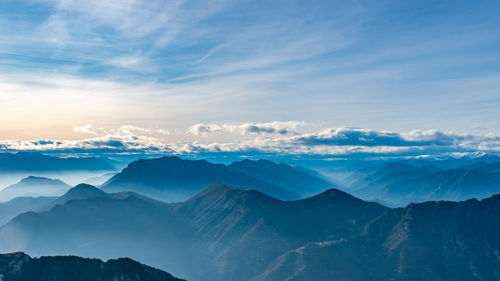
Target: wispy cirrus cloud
125,130
171,63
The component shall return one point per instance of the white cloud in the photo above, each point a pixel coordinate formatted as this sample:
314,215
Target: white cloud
276,127
328,142
271,128
210,65
125,130
204,129
134,130
86,129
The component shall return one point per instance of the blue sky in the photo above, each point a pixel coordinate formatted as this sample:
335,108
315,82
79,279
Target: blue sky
75,70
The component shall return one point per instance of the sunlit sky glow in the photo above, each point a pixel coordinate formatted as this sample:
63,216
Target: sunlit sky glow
222,75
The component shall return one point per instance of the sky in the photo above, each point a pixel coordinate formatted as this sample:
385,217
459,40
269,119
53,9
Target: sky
320,77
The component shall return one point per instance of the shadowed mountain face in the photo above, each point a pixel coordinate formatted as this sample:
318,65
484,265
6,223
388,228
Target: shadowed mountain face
229,233
427,241
238,224
88,222
34,186
21,267
401,183
37,162
172,178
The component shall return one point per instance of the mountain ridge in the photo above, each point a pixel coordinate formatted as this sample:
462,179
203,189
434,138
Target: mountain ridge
19,267
34,186
175,175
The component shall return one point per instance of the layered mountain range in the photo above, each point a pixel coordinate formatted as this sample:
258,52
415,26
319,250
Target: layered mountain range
281,222
21,267
399,183
241,234
175,179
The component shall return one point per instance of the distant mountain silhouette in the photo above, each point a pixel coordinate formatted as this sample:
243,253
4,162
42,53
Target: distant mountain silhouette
427,241
98,180
299,181
21,267
453,184
34,186
174,178
37,162
399,183
453,162
489,168
19,205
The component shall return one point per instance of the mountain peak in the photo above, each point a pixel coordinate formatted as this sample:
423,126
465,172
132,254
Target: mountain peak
14,255
333,193
176,158
223,187
219,190
249,162
79,192
40,180
34,186
172,176
85,190
220,195
336,197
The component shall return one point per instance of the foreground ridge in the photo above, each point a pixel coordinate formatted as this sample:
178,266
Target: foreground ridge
19,267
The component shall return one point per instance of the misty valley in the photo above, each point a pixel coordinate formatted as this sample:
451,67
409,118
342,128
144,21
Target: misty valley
172,218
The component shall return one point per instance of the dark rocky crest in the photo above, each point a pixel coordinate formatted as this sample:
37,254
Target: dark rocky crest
21,267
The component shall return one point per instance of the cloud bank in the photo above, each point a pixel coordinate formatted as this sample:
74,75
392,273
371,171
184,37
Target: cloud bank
273,138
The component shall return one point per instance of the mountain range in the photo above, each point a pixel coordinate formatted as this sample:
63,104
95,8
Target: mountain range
175,179
225,231
426,241
399,183
242,234
21,267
